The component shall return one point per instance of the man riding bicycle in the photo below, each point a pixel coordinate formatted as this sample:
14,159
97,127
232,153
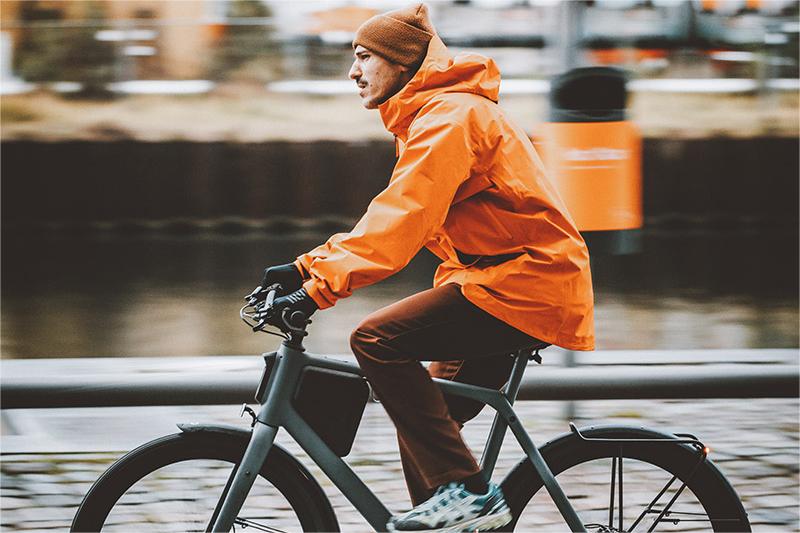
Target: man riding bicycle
468,186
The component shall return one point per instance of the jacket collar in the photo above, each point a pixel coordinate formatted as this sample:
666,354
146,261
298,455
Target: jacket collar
439,73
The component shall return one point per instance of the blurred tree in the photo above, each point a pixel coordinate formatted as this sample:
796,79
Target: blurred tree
88,60
241,43
53,52
38,47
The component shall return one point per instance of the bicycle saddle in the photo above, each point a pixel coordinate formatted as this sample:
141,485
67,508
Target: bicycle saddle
532,351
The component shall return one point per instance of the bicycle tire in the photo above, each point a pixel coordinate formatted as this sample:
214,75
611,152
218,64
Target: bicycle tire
708,485
280,471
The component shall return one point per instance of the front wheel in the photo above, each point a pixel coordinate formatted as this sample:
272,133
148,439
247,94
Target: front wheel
174,483
625,486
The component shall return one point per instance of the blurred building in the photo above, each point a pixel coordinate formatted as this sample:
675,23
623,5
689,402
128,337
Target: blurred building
152,38
102,41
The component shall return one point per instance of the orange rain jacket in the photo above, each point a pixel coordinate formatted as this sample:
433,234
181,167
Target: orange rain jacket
469,186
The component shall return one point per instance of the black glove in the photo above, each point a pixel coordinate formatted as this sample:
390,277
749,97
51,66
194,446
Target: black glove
284,307
288,276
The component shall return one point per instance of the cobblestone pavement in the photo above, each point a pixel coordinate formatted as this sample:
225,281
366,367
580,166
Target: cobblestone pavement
754,442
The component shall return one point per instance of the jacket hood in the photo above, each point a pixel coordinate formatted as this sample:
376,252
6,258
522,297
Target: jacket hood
440,73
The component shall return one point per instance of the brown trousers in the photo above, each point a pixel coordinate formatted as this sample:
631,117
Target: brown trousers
466,344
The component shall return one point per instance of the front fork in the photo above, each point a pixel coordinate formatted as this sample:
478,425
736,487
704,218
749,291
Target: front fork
283,375
244,475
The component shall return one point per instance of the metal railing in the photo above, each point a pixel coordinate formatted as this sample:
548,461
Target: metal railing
113,382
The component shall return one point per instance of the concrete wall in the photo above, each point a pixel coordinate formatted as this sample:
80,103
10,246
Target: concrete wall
716,182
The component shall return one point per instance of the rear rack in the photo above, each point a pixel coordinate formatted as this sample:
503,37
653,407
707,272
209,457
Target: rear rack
683,438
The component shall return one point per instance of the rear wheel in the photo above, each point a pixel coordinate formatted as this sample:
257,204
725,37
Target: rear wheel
174,484
631,486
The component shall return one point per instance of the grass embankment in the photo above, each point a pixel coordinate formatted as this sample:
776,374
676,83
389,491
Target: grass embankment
252,115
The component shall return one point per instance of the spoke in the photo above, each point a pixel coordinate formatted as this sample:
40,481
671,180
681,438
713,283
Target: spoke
619,465
712,520
224,495
666,509
245,523
678,493
653,503
670,516
611,504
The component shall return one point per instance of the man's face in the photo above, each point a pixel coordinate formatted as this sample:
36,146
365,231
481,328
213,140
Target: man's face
378,78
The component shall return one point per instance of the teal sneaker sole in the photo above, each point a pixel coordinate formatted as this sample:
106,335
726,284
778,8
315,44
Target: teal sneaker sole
480,523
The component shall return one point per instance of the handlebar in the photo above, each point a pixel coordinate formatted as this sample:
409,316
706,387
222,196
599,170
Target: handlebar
258,313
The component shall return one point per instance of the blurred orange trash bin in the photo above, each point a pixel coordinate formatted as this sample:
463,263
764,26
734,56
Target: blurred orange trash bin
593,154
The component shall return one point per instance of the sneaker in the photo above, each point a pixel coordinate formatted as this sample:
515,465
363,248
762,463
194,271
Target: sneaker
453,508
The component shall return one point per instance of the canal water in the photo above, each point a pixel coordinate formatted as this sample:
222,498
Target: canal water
162,294
122,294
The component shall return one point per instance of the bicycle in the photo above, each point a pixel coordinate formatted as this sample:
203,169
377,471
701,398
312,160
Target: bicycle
243,478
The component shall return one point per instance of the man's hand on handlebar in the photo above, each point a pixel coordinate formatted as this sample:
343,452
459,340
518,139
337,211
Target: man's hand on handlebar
287,276
279,301
292,310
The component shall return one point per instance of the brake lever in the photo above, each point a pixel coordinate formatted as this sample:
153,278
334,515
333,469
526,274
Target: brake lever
271,295
257,296
263,308
253,296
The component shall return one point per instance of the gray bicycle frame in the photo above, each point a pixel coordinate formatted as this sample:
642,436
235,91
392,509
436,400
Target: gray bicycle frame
277,411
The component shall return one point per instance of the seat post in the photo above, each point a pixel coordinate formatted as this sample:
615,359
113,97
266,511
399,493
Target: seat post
498,432
515,379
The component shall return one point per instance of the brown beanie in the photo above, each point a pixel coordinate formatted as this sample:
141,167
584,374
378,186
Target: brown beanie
401,36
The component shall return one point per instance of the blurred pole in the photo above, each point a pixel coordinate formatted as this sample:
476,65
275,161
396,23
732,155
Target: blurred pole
570,407
571,26
688,18
120,67
762,61
571,33
5,56
769,65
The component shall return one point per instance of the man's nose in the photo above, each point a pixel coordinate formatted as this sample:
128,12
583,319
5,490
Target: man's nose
355,72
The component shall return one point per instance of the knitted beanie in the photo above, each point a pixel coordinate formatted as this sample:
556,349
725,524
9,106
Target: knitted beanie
401,36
